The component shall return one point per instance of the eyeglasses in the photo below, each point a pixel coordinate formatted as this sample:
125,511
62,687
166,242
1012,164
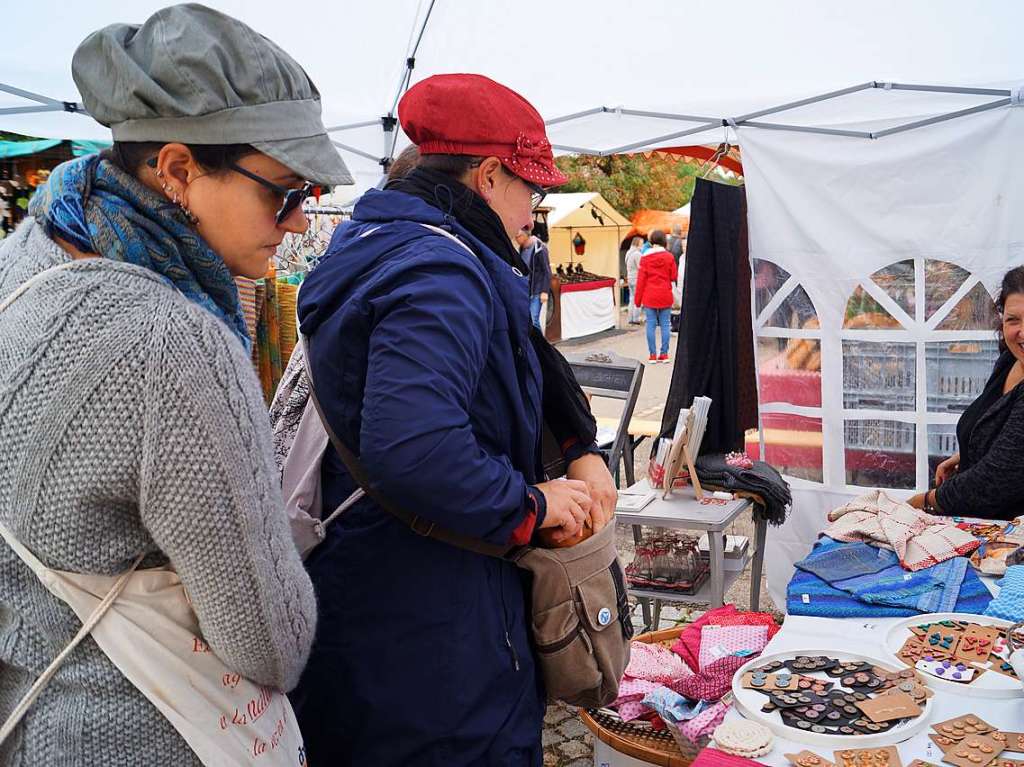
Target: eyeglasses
537,193
292,198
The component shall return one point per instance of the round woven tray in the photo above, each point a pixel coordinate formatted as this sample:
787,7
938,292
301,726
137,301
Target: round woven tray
646,745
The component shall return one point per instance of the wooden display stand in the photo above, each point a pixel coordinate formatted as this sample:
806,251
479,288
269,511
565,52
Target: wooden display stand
679,457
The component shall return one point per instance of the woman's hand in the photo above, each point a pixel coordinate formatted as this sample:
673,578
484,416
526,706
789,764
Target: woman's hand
947,469
591,469
569,506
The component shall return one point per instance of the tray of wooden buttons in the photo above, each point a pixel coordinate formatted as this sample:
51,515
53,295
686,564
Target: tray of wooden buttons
831,698
970,741
961,653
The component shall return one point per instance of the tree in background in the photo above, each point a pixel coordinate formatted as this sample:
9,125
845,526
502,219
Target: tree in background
632,182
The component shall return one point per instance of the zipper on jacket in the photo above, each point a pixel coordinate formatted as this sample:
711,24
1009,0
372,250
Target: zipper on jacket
504,618
511,649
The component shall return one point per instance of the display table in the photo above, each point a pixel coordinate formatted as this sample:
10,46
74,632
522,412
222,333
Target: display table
866,636
587,307
682,511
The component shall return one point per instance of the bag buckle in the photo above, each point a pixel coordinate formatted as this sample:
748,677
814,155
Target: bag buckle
416,527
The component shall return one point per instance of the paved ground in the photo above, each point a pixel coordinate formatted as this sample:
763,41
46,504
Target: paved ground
567,743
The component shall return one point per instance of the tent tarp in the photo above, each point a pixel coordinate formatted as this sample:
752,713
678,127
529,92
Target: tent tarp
12,149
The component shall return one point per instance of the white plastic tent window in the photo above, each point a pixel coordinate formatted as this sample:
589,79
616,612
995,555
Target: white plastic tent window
918,345
789,373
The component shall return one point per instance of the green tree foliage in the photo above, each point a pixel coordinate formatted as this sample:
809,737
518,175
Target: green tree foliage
632,182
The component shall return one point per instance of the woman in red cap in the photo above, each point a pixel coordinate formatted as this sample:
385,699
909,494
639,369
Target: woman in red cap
427,367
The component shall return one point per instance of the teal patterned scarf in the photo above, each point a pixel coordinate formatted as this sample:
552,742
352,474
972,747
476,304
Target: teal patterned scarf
99,209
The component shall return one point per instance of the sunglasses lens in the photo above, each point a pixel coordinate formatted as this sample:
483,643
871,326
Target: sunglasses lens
292,200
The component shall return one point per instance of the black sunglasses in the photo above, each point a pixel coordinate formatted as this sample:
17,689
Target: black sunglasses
291,198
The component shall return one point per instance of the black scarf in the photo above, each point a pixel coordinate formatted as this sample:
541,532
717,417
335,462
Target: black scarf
566,408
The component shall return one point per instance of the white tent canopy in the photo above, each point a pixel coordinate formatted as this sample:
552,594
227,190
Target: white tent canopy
563,57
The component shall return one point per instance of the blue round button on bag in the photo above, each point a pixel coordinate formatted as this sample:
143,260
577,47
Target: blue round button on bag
605,616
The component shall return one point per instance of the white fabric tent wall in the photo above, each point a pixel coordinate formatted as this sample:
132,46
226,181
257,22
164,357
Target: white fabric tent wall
832,211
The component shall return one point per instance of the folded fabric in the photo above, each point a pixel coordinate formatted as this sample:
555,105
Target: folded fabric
761,479
688,644
671,706
919,540
719,641
632,710
712,683
846,560
712,757
632,690
934,590
704,723
1009,605
655,663
874,575
807,594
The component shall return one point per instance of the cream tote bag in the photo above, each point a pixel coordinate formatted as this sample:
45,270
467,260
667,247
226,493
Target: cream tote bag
144,623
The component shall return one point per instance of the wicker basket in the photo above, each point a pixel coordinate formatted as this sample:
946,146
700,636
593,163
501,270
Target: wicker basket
658,748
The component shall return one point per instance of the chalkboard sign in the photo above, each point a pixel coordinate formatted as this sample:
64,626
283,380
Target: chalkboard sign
596,375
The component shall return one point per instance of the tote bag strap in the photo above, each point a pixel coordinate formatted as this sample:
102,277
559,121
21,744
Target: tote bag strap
32,281
358,472
44,679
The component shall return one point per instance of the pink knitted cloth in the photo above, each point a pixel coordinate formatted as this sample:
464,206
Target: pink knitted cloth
688,644
705,722
655,663
718,641
919,540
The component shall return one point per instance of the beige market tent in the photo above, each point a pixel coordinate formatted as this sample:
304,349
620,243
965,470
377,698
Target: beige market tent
591,216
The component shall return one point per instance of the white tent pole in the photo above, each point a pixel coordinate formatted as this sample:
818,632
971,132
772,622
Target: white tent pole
804,102
941,118
658,139
577,115
31,110
353,150
31,96
352,126
809,129
944,89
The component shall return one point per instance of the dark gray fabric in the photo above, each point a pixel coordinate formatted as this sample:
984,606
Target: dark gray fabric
535,256
762,479
989,483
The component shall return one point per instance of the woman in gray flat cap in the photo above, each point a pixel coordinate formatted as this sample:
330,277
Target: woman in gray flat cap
131,422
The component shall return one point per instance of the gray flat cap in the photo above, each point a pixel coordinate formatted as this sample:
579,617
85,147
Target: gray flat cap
194,75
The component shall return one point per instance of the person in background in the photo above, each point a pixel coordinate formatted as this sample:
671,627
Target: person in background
132,420
675,243
654,282
633,256
984,478
534,253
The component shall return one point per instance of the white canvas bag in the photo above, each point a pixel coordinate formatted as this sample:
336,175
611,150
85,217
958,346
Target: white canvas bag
143,622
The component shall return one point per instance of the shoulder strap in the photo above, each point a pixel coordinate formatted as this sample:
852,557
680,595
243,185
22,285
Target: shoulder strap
31,281
355,467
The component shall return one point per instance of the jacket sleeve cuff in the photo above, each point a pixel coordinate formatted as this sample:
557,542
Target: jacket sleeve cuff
573,448
536,509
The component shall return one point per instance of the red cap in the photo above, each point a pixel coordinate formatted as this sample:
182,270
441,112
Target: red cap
473,115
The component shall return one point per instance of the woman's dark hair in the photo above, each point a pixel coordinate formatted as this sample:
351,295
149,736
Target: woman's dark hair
454,165
403,165
1013,282
131,156
657,237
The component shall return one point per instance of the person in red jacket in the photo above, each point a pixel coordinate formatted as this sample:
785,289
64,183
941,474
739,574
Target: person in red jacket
658,271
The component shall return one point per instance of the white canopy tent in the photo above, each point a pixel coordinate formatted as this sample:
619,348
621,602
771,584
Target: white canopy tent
830,208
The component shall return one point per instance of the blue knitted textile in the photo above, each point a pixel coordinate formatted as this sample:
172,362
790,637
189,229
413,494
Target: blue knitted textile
951,586
1009,605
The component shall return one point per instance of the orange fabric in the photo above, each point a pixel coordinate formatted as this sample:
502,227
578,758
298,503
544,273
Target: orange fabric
646,220
706,153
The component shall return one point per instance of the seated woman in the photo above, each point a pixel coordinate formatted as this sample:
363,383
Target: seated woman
984,478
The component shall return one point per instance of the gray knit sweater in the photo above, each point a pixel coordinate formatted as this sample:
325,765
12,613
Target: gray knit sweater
131,421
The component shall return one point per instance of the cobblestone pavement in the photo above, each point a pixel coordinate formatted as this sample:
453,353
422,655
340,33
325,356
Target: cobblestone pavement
567,742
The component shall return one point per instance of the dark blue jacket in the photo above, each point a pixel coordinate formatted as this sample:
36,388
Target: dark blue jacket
421,358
